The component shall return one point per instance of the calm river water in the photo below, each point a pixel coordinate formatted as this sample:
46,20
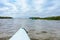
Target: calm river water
37,29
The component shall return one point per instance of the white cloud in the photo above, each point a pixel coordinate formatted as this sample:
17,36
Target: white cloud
40,7
8,9
3,9
37,5
54,7
22,8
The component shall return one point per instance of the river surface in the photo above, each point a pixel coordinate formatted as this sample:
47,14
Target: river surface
37,29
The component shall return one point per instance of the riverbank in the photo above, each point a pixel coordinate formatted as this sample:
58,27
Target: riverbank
46,18
5,17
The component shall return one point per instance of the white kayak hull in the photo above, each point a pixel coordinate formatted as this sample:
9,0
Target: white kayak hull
20,35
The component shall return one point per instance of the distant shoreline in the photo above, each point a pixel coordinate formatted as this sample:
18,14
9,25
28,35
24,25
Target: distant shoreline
46,18
5,17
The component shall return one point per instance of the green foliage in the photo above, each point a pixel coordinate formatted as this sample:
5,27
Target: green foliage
53,18
47,18
5,17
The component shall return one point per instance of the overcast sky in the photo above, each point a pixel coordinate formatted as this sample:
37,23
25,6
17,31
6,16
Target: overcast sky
29,8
